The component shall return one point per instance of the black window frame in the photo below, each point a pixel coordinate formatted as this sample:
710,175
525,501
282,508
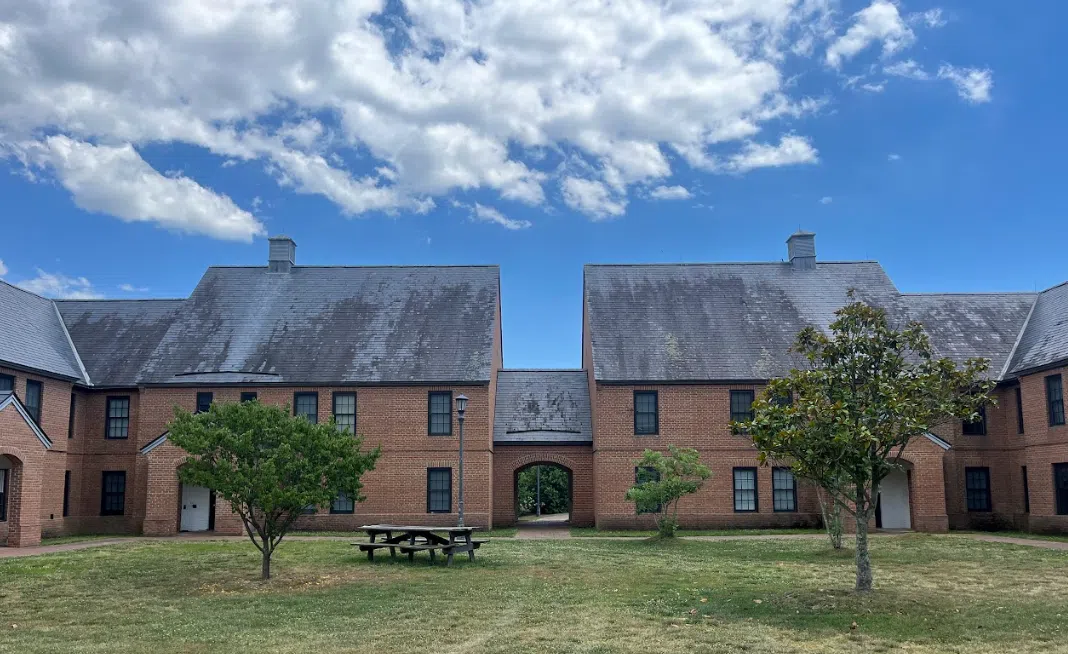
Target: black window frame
1055,405
1060,495
739,416
341,511
204,400
70,416
776,490
1019,411
10,379
304,395
430,413
333,405
6,474
642,429
755,489
429,491
108,417
66,493
34,409
970,492
976,428
107,508
1027,491
249,396
649,470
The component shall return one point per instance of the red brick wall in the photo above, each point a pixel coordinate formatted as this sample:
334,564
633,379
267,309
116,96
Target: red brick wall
694,416
509,459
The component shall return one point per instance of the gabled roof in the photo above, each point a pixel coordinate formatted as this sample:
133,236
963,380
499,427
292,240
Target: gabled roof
542,406
116,337
730,321
8,399
332,325
32,335
1045,339
967,325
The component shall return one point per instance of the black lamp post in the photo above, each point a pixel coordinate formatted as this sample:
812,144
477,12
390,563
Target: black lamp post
461,406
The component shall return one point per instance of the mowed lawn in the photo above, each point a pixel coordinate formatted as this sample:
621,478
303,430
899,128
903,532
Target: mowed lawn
934,594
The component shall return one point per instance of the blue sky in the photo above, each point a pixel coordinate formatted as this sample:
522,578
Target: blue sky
151,144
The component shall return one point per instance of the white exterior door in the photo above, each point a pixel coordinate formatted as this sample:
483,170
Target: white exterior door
894,501
196,511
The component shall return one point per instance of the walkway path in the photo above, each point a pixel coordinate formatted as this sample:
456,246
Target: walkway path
525,533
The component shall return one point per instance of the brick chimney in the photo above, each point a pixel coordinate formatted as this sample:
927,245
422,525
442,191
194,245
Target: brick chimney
801,246
281,254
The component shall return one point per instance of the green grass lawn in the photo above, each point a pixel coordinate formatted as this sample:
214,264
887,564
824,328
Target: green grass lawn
587,532
933,594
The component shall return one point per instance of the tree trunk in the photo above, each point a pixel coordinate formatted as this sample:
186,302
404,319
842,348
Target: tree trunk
832,517
863,557
266,563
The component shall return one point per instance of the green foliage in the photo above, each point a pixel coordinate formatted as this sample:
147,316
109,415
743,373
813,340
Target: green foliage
662,480
867,392
555,490
268,464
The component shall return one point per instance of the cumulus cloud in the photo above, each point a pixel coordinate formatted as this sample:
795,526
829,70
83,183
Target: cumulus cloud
490,215
893,156
506,98
972,84
932,18
670,193
115,180
591,198
880,22
59,286
130,288
826,199
908,68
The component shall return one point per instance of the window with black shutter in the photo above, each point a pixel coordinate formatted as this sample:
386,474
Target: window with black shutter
439,490
439,413
204,401
646,413
117,420
345,411
977,488
1055,400
742,405
745,490
307,405
783,489
113,493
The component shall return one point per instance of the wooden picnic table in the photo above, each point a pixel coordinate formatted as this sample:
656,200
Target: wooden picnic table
409,539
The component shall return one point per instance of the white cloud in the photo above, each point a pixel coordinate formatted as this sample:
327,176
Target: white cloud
130,288
115,180
908,68
879,22
791,150
670,193
972,84
487,96
59,286
826,199
871,87
591,198
490,215
893,156
932,18
3,268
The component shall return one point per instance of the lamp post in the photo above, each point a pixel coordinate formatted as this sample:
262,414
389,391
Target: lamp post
461,406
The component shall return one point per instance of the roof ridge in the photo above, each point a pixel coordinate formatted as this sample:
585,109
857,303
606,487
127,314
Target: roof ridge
1064,283
972,293
1016,344
19,288
130,299
449,265
722,263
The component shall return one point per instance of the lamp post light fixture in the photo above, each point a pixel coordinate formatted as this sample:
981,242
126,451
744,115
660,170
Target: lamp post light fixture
461,407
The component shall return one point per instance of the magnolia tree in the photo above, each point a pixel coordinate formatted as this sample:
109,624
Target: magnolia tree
867,392
662,480
269,465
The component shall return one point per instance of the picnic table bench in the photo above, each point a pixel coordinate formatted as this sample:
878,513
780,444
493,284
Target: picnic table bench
409,539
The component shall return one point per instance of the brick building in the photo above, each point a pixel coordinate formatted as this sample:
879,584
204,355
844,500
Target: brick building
669,354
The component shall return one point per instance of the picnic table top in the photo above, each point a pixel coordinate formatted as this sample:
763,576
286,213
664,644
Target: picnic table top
416,528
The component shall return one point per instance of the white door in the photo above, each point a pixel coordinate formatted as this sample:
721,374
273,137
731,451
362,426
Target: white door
894,501
195,508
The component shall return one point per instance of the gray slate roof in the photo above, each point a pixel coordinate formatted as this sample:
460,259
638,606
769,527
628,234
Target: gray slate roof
542,406
1045,340
730,321
332,325
966,325
33,336
116,337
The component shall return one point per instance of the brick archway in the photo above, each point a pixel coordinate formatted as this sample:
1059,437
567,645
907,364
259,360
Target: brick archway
509,460
22,523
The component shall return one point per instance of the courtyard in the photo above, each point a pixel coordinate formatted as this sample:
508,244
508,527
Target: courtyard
933,594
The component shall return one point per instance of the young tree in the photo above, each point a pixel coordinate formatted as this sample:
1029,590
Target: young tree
868,391
662,480
555,490
269,465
